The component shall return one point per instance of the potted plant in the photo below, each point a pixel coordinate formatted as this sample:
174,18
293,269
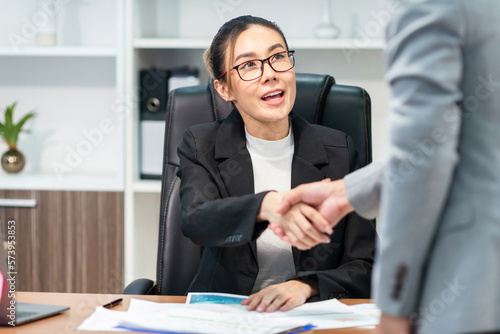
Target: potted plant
12,161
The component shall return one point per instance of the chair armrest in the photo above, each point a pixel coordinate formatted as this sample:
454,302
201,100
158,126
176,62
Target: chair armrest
141,286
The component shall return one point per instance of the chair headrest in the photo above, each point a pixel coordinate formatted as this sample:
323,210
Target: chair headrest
312,90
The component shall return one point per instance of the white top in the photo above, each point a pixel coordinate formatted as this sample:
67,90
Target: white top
272,170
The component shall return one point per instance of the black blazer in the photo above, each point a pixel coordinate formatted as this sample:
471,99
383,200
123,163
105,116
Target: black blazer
219,209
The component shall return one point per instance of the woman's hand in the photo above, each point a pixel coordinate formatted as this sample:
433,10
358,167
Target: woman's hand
302,224
329,197
284,296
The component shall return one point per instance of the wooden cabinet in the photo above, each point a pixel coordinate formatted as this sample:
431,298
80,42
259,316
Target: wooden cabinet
72,241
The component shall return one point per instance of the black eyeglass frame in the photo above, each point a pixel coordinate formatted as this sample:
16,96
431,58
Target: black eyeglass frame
289,54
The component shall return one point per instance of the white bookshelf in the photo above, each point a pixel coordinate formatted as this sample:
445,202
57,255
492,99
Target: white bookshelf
76,88
171,43
72,86
295,43
336,44
58,51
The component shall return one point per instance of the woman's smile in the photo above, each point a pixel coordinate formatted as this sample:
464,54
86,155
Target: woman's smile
274,97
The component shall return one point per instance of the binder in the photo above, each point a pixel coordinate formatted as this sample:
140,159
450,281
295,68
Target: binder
154,86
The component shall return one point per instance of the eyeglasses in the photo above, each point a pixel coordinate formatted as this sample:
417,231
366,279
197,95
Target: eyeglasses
253,69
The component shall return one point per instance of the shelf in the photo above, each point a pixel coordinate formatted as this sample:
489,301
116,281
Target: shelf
58,51
69,182
172,43
306,44
336,44
147,186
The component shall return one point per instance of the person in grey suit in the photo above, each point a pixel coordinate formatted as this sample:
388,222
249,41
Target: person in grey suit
437,195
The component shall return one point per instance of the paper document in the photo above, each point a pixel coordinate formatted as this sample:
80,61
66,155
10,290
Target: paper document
102,320
323,314
186,318
203,315
331,306
220,321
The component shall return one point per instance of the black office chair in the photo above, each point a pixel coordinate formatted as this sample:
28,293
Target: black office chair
319,100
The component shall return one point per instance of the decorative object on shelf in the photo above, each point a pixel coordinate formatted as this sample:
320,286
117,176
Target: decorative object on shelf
326,29
46,35
355,33
13,161
70,23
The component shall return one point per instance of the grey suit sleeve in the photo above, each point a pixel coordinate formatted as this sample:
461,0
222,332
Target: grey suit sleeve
363,189
424,72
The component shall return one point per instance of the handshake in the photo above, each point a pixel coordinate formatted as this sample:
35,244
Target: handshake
304,214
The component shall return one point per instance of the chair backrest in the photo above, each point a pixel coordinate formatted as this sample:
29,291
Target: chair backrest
319,100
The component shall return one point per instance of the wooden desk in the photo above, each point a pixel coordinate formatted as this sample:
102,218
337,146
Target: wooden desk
83,305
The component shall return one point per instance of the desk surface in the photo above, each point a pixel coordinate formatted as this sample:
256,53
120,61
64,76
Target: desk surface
83,305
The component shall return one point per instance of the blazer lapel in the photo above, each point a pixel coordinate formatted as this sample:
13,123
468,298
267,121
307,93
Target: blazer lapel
234,161
309,153
308,157
235,164
231,154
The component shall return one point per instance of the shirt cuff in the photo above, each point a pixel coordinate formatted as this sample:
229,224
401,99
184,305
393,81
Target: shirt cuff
363,189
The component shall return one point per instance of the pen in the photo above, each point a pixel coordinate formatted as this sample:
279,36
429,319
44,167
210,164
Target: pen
149,330
296,330
113,303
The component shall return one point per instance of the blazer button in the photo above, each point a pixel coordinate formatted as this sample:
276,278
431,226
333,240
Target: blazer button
400,280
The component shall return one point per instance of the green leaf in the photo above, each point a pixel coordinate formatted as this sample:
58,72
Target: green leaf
8,115
10,131
19,126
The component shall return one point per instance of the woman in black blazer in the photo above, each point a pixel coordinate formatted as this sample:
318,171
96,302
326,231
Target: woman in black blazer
235,171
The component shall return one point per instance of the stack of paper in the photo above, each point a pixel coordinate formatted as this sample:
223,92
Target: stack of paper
325,314
202,315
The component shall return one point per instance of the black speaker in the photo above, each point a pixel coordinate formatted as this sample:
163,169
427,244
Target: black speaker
155,85
153,90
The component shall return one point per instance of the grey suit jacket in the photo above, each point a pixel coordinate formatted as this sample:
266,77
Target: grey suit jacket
439,190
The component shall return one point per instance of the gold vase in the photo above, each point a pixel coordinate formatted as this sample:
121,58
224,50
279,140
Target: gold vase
13,161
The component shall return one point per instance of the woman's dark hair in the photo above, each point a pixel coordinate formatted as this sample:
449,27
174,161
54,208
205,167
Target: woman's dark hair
224,40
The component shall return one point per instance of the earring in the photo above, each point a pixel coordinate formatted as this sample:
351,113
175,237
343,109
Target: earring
226,99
